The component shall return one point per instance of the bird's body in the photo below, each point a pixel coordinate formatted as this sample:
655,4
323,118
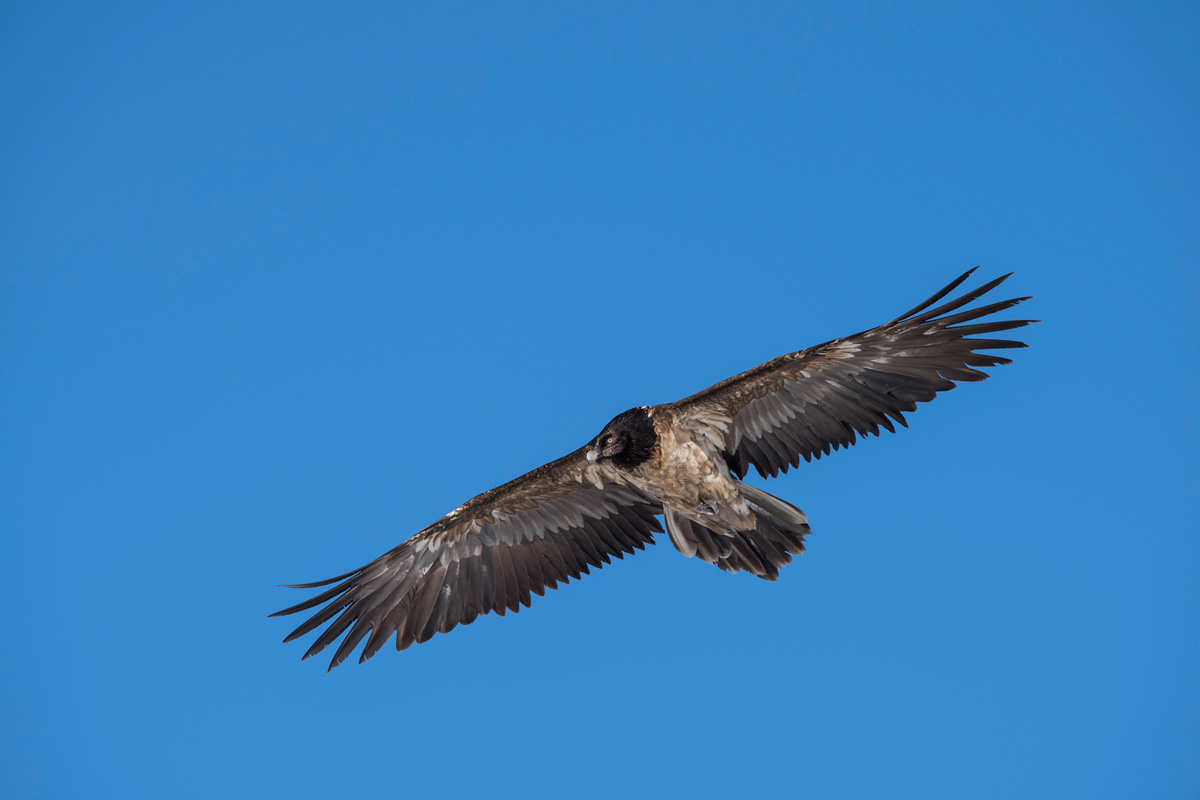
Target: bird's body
685,470
684,461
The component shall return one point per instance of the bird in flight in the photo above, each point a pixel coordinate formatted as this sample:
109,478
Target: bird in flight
681,461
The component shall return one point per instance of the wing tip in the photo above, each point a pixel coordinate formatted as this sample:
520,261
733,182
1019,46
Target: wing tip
950,287
319,584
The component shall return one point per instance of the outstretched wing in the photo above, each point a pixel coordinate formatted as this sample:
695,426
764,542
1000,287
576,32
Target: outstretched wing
803,404
543,528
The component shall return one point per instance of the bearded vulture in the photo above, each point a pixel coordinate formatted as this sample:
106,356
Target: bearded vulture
681,461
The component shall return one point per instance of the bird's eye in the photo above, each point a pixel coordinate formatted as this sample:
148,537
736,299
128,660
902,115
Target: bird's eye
609,439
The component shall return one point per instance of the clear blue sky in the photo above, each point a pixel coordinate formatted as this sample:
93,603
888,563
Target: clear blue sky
282,284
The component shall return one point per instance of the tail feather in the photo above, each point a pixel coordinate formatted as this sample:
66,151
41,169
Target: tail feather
762,551
693,539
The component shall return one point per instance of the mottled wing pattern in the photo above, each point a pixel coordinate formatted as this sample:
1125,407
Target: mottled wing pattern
490,554
806,403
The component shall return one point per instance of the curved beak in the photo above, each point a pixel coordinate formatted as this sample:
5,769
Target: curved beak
592,455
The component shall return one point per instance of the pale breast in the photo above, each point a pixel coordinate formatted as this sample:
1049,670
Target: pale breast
690,475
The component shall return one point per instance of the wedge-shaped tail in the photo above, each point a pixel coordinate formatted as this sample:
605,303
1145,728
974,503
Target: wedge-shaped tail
762,551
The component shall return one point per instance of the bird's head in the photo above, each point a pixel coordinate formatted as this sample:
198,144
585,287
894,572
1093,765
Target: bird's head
627,441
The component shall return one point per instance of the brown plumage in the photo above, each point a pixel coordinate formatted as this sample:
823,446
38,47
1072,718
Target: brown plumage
683,461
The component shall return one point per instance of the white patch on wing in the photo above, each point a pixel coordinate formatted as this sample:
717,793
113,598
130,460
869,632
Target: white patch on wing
842,350
593,476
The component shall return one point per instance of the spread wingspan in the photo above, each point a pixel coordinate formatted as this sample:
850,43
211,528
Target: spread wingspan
559,520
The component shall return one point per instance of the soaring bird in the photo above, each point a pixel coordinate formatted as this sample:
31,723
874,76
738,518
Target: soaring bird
682,461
